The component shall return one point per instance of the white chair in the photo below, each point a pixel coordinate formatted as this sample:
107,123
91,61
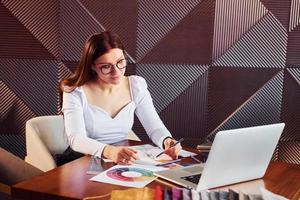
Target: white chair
45,137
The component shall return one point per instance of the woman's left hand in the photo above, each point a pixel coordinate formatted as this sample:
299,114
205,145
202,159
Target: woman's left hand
172,151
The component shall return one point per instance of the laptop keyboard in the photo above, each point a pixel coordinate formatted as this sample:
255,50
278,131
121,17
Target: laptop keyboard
193,178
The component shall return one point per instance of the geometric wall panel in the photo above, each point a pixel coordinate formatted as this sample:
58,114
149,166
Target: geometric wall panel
289,151
34,81
263,46
166,82
13,116
189,41
76,25
15,144
183,117
280,9
71,65
263,107
14,112
275,153
209,64
25,44
295,73
230,27
230,88
293,47
291,105
130,69
117,16
294,14
151,12
41,18
63,73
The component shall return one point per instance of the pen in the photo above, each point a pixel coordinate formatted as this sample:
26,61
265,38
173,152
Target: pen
195,159
180,140
168,163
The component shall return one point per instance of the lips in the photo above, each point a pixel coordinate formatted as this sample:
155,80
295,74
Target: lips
115,77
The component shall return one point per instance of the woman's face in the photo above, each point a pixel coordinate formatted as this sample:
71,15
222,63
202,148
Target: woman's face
111,66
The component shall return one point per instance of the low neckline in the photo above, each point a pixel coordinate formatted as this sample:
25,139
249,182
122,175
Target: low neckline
103,110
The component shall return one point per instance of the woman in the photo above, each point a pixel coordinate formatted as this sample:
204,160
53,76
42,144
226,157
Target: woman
99,103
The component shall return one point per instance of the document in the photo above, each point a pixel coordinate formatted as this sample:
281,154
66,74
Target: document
128,175
147,154
150,151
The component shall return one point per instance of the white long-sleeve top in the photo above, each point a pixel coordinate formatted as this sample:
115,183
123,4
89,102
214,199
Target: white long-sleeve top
89,128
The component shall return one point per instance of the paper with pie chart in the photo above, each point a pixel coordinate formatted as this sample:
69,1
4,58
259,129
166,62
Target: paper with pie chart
128,175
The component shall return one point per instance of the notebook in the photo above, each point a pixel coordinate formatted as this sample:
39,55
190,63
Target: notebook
236,155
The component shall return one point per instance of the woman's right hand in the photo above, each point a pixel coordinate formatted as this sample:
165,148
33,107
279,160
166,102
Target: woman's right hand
120,155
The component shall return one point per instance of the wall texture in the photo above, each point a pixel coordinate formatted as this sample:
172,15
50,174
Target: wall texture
210,64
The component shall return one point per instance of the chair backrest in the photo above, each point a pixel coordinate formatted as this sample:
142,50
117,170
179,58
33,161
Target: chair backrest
45,137
50,130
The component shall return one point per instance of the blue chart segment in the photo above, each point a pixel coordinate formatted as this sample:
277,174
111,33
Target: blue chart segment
130,174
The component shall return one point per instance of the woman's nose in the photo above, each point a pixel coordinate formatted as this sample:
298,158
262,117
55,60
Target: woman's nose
115,69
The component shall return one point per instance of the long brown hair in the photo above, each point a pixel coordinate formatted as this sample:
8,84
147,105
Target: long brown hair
97,45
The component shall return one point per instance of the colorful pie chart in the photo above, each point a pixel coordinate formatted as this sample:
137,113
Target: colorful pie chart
130,174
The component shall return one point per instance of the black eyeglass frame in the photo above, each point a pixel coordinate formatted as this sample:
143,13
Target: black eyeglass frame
111,66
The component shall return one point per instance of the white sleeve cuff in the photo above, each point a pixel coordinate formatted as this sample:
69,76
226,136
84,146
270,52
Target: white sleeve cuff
157,136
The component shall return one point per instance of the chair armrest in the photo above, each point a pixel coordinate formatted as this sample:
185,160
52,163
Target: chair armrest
42,160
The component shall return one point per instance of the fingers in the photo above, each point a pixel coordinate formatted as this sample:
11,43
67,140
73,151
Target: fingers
169,142
122,162
171,152
174,151
127,156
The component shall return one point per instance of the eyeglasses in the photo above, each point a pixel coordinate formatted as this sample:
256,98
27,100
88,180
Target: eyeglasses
107,68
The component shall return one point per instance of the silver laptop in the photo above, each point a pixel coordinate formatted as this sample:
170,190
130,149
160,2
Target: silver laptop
235,156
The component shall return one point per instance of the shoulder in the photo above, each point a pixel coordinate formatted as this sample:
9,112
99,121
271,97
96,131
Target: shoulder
70,92
137,82
139,88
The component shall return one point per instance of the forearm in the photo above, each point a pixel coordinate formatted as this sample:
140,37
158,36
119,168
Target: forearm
86,145
153,125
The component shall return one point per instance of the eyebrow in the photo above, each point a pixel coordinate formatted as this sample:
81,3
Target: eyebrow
122,57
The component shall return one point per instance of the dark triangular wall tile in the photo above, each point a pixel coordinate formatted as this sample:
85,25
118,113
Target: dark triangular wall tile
291,105
186,115
117,16
190,41
229,88
166,81
34,81
225,37
289,151
281,10
150,13
293,48
16,41
41,19
76,26
263,46
261,108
